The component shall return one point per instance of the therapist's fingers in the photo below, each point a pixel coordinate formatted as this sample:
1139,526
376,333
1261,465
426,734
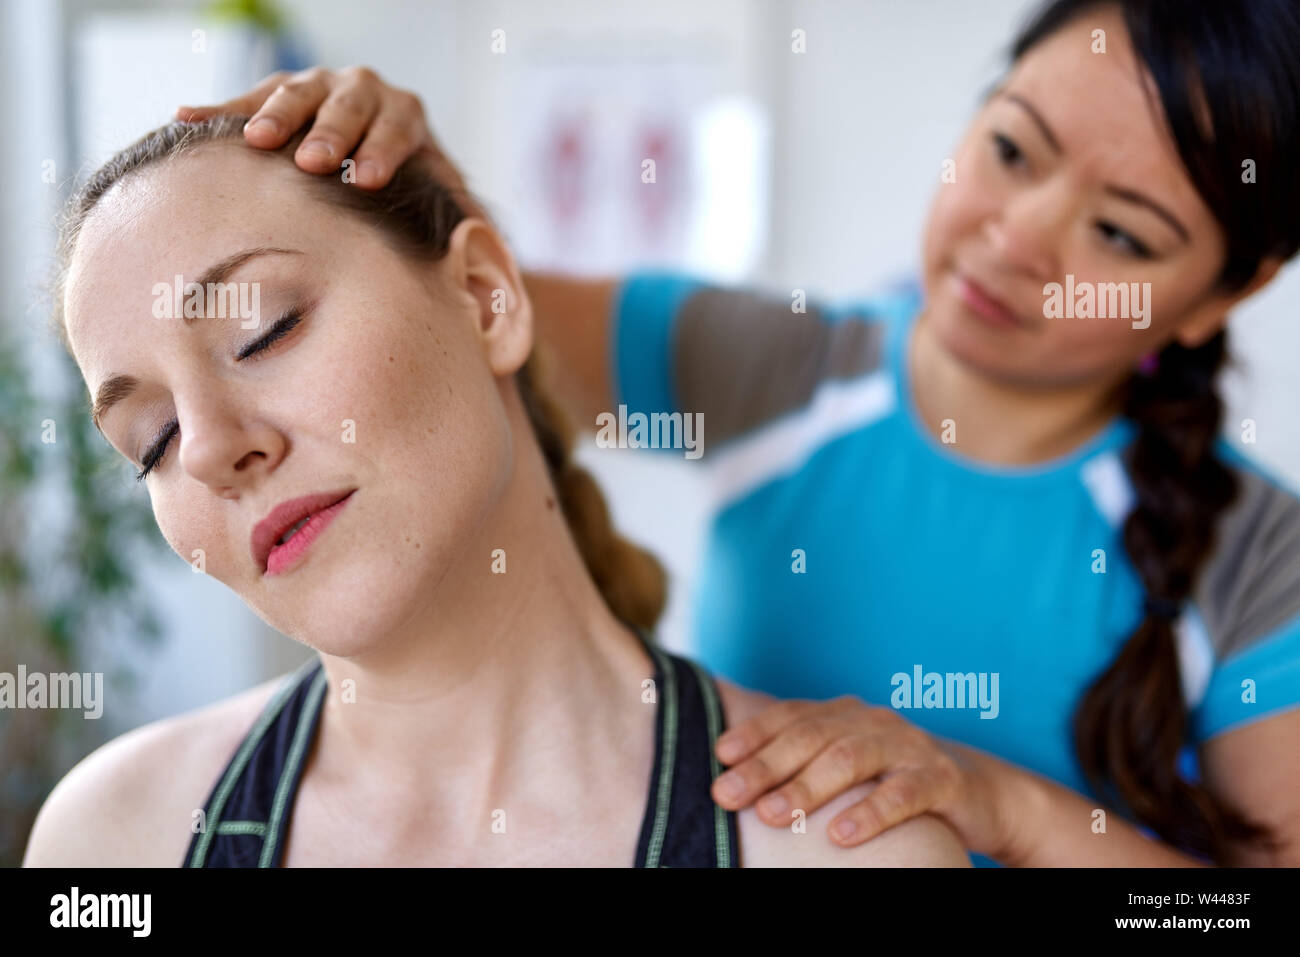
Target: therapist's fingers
751,734
355,98
245,105
846,762
350,107
774,763
898,798
288,108
398,131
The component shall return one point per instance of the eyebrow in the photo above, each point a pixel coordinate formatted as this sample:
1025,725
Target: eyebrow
118,386
1119,192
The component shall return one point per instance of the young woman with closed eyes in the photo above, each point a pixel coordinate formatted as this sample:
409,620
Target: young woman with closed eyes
485,690
1090,536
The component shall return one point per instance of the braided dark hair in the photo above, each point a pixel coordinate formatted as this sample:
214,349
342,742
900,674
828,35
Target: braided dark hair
1241,61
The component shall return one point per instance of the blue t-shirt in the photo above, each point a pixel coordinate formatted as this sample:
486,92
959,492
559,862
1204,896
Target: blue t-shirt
854,552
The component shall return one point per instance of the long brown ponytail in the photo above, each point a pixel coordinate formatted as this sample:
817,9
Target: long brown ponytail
1228,86
417,214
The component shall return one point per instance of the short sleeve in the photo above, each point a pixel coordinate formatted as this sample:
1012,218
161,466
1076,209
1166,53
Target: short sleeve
1255,683
1249,599
740,358
645,311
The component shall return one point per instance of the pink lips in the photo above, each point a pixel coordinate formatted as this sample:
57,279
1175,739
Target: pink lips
985,305
318,510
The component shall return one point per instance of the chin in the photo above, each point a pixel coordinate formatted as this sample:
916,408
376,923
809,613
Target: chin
354,606
965,339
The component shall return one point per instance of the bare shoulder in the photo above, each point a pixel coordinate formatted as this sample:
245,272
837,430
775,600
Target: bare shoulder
130,802
924,841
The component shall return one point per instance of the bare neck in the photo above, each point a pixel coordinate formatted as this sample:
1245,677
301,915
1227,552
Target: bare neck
500,686
996,422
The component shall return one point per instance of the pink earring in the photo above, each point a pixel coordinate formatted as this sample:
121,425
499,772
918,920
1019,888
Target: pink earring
1149,363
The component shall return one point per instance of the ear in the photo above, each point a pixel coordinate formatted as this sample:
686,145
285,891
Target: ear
481,267
1212,315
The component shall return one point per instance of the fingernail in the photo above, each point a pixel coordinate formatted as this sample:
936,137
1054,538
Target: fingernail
263,123
368,170
844,829
318,149
774,805
731,786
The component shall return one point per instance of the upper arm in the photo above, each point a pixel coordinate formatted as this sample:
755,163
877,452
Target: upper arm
1247,710
923,841
1255,769
674,343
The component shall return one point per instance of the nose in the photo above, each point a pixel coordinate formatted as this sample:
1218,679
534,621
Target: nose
1026,232
226,444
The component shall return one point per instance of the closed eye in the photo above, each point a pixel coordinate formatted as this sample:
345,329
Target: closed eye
158,448
282,328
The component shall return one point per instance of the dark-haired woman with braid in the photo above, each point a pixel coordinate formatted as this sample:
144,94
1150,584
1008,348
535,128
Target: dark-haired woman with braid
1048,601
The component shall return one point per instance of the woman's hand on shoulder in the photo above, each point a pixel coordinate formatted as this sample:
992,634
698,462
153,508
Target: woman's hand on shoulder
802,756
352,111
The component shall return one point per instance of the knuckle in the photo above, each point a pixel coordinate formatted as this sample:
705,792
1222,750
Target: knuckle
898,799
757,771
847,702
869,817
324,130
294,86
410,103
842,756
361,74
391,134
798,794
787,711
349,103
806,735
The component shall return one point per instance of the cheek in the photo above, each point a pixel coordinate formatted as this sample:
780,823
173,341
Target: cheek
195,532
428,414
960,208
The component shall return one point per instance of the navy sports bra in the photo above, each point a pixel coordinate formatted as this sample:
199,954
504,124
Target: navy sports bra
246,817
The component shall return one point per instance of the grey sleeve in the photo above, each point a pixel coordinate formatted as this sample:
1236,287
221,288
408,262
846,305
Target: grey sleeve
744,358
1251,585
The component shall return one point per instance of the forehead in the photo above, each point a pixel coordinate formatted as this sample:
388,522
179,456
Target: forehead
177,218
1104,108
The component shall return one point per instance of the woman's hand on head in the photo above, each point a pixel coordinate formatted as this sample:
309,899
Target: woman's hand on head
352,113
799,755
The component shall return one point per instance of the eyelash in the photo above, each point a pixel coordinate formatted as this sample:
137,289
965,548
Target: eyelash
1004,144
1132,245
1135,247
283,326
